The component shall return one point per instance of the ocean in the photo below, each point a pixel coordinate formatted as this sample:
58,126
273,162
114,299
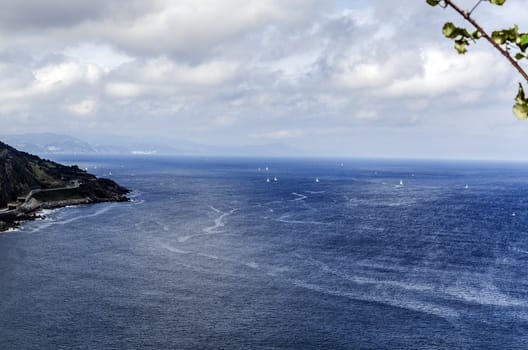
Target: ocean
334,254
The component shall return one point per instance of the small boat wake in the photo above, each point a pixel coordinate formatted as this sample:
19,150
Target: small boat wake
300,197
219,221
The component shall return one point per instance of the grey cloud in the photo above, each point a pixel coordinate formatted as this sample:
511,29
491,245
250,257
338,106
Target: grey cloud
36,15
185,29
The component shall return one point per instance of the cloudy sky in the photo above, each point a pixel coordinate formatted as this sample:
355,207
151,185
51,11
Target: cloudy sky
324,78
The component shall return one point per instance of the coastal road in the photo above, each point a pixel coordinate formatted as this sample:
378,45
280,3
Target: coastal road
6,211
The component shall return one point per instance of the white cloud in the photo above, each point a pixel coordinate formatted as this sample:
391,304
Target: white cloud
293,67
175,82
280,134
446,72
102,56
363,75
163,69
123,90
64,77
333,101
225,120
366,114
65,74
84,107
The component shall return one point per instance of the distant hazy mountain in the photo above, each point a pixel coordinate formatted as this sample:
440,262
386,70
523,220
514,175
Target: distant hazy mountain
48,143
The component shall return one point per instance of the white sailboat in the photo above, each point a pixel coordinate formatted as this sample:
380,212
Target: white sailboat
316,179
466,187
268,180
401,183
275,179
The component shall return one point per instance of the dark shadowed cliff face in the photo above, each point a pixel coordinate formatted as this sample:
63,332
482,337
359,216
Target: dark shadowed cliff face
21,172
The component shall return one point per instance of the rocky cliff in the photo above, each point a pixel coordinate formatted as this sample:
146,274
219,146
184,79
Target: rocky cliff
48,182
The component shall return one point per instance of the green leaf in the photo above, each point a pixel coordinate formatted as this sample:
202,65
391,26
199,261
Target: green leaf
522,42
476,35
520,111
523,39
512,33
449,30
498,2
519,56
499,37
460,46
433,2
520,98
463,32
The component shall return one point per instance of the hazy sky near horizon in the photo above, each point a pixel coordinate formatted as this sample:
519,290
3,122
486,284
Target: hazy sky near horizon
343,78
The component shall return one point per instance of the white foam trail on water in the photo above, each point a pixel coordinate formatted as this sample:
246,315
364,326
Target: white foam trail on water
210,256
173,249
299,196
367,280
49,223
45,212
277,270
356,202
284,219
487,295
135,197
218,223
518,250
137,202
413,305
41,227
97,213
12,229
186,238
367,227
215,209
315,192
391,265
252,265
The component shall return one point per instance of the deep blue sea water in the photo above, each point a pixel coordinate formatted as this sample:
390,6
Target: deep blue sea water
209,255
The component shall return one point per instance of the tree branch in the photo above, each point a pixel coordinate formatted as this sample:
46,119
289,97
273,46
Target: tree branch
474,7
505,53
